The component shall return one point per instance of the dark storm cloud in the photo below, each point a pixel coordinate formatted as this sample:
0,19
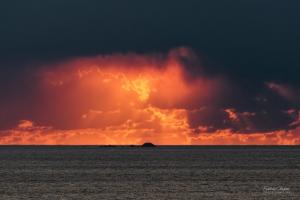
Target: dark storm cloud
254,43
212,119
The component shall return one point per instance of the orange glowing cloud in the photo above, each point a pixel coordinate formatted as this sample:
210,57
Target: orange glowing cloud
174,131
108,91
128,99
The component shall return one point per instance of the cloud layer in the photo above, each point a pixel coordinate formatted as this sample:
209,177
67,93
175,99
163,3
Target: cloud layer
133,98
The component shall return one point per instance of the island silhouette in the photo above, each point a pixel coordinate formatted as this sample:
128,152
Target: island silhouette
148,144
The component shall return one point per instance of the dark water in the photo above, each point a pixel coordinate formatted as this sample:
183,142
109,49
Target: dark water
149,173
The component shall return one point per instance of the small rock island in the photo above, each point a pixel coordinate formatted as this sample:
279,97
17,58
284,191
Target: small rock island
148,144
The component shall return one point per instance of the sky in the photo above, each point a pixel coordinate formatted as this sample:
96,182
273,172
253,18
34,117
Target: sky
167,72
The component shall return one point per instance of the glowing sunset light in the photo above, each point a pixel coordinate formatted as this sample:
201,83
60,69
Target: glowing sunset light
130,99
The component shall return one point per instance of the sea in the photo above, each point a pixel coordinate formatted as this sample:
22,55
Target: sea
162,172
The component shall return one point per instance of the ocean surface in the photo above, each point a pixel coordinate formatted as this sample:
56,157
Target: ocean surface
165,172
